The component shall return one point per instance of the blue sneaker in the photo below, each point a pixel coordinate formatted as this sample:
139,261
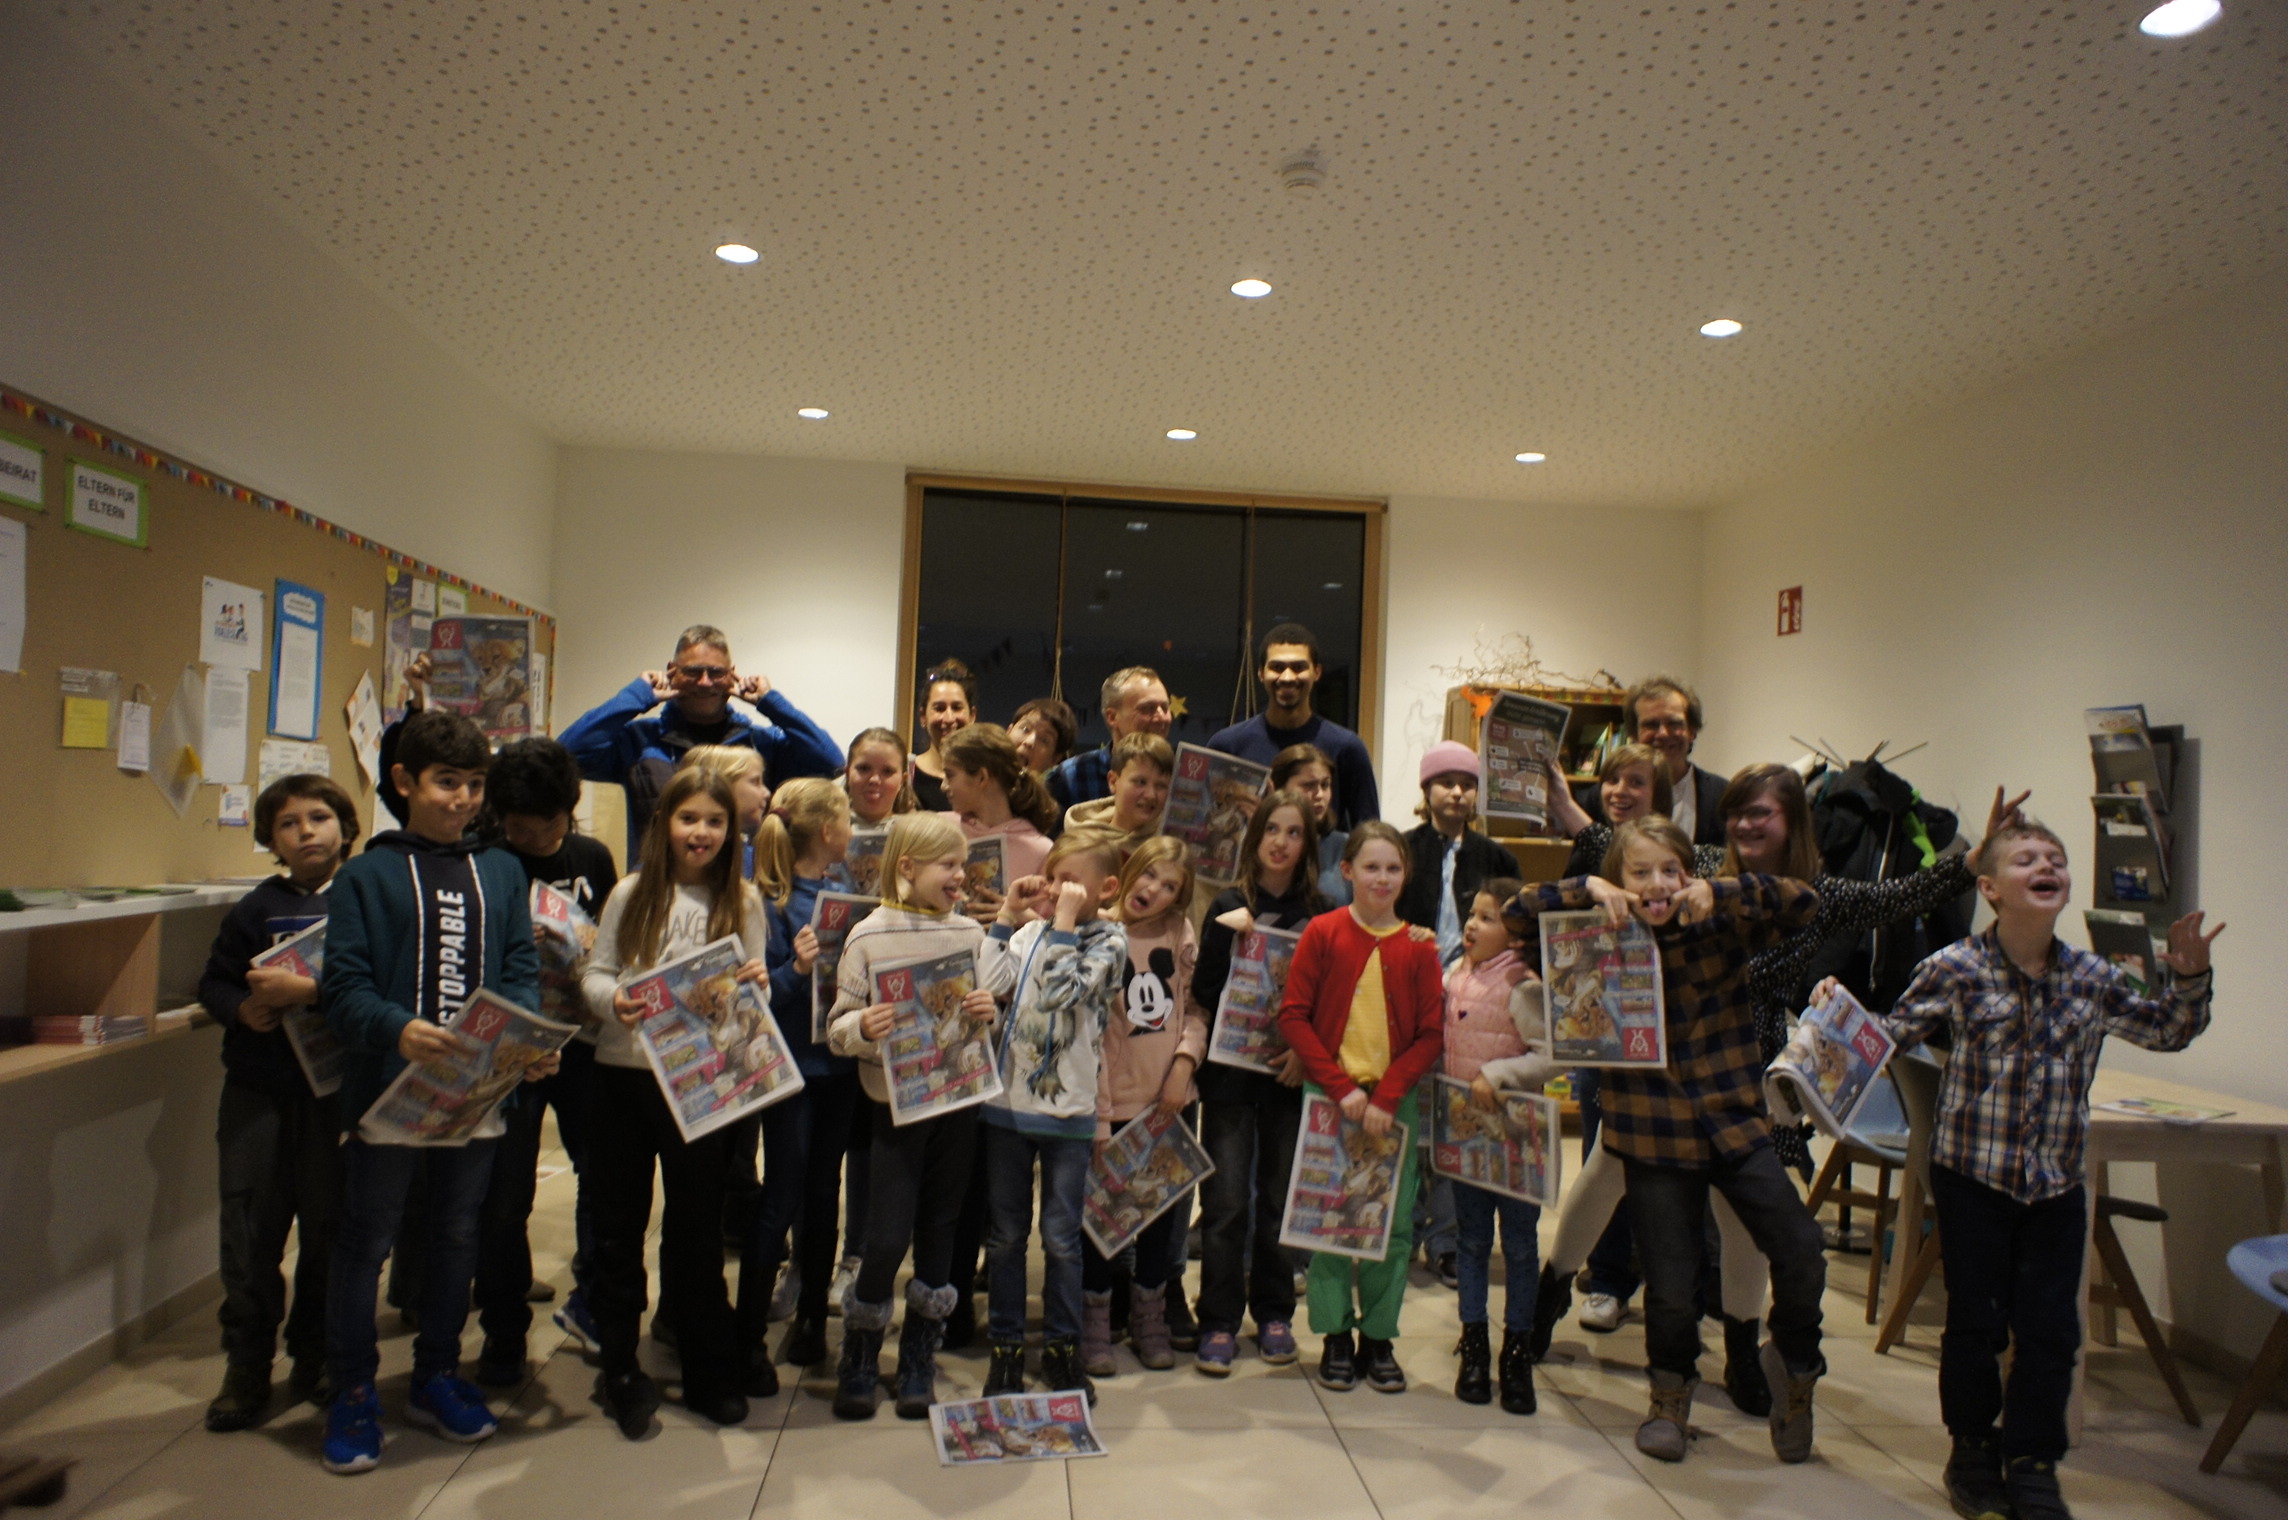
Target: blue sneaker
451,1407
353,1431
1217,1347
577,1323
1276,1340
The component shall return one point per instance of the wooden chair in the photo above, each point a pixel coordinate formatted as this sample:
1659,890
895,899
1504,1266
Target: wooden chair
2257,1263
1917,1076
1879,1140
2116,1287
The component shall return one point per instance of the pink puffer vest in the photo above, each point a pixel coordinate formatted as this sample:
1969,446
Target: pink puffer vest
1478,1026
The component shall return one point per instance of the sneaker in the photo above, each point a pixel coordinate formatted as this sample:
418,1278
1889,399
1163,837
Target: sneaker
631,1399
1383,1374
353,1432
1217,1348
1603,1313
845,1278
786,1295
1276,1341
1443,1268
452,1407
501,1363
579,1326
1337,1369
2034,1494
244,1397
1974,1482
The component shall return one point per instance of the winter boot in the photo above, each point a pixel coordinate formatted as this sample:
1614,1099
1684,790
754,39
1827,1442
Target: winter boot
1096,1335
1743,1367
1006,1372
1668,1426
1791,1404
1474,1384
1551,1299
1148,1328
1517,1396
926,1309
1062,1372
860,1370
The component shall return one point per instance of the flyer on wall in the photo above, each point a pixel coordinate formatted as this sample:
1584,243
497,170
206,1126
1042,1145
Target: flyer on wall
832,918
1210,804
1343,1192
481,668
565,934
1025,1427
1519,739
1247,1013
1143,1169
316,1047
1512,1148
711,1040
937,1058
446,1102
1829,1065
1604,993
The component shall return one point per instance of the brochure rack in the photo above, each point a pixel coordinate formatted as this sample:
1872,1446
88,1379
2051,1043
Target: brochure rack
2144,816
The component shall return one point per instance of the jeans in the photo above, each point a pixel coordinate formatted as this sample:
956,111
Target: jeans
1347,1293
803,1140
375,1180
1435,1226
279,1161
1252,1143
919,1173
634,1132
2013,1283
1476,1211
1612,1261
504,1240
1009,1159
1149,1251
1668,1206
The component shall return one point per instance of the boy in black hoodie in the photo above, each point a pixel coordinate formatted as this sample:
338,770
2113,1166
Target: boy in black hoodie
422,920
278,1141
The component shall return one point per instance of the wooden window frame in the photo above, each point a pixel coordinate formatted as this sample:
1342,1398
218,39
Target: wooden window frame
905,700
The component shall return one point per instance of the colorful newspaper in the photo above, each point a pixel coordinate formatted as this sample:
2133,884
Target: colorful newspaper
447,1102
1512,1148
565,934
1829,1065
1210,804
832,918
988,866
1153,1161
937,1058
316,1046
863,860
1026,1427
1519,738
1343,1191
711,1040
1604,995
481,668
1247,1014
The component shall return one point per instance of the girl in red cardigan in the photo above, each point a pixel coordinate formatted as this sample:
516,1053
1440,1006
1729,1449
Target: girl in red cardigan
1365,1011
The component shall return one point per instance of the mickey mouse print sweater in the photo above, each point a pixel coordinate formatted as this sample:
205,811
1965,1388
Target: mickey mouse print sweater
1155,1022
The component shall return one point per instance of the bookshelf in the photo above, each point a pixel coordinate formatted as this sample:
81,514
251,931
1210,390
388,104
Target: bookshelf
1597,713
125,959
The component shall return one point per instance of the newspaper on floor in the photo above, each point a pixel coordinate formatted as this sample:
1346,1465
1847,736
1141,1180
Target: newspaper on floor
711,1040
1604,997
1246,1031
1210,803
1519,739
937,1058
446,1102
832,917
315,1045
1026,1427
565,934
1829,1065
1512,1148
1150,1163
1343,1192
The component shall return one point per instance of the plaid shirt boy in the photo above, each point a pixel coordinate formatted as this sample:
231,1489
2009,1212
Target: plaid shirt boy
1708,1102
2013,1109
1082,778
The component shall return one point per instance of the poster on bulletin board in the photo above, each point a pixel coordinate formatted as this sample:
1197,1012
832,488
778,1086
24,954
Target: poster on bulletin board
297,655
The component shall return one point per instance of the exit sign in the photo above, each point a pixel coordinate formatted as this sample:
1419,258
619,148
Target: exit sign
1791,611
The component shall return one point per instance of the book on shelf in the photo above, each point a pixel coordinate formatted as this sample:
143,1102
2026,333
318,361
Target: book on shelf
87,1029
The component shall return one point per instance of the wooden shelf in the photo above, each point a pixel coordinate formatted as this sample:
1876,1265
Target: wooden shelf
199,895
19,1062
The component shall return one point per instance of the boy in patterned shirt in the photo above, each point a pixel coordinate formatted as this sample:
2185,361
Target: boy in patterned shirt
2028,1015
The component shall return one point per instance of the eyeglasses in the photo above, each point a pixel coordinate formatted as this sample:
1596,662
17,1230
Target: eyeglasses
704,672
1763,813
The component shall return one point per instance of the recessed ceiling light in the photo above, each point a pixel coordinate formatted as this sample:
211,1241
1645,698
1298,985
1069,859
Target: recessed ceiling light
813,413
1253,290
1139,527
736,253
1531,458
1332,586
1182,435
1722,327
2180,18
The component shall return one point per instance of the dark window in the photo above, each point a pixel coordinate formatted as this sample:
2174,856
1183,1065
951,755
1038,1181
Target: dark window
1035,593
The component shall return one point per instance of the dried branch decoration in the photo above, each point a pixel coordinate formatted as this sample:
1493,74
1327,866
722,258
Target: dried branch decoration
1510,663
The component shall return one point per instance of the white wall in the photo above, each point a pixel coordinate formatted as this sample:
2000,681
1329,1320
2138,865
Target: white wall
797,560
155,293
1616,588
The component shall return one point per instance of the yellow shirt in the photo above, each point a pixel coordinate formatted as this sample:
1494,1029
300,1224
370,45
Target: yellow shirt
1365,1051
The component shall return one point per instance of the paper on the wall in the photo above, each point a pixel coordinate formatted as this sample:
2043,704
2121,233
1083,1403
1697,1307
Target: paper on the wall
537,698
425,597
13,540
361,627
452,601
364,712
177,743
236,809
231,625
287,757
89,696
134,736
295,673
222,757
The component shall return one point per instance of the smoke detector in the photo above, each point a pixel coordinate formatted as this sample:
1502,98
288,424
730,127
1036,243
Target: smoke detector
1304,171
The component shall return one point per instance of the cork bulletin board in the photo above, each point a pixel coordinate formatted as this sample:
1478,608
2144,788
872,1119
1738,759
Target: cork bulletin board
112,589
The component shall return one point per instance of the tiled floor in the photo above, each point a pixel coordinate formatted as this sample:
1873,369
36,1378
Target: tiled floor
1264,1443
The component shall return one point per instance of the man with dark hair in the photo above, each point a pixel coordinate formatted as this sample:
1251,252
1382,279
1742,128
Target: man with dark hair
636,742
1665,713
1289,670
1135,701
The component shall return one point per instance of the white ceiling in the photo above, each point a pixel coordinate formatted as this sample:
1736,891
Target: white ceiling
998,236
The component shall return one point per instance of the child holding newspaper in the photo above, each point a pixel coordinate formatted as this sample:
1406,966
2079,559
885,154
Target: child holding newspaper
686,893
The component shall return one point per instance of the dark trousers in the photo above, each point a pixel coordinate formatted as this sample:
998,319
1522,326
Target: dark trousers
1155,1251
1611,1267
279,1161
1252,1143
634,1132
803,1140
1010,1158
375,1182
969,1237
919,1174
1668,1208
504,1240
2013,1283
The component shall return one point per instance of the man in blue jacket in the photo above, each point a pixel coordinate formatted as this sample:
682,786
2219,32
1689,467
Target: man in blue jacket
1290,672
627,742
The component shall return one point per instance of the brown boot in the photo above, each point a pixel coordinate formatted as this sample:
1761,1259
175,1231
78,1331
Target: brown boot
1096,1357
1668,1427
1791,1404
1148,1328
